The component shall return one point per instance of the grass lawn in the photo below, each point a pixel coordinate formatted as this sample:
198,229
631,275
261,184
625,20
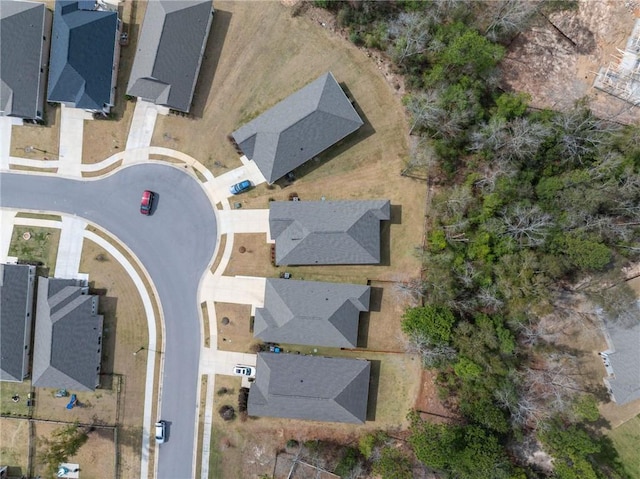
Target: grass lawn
626,438
41,245
8,389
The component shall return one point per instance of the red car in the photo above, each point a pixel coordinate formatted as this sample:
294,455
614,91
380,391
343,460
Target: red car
147,202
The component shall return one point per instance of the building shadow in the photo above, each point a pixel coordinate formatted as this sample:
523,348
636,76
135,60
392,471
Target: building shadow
375,303
107,308
215,42
374,383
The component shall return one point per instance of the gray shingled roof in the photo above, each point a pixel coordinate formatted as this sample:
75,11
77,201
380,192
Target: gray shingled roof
298,128
68,336
16,304
309,387
327,232
170,49
23,56
83,51
624,360
313,313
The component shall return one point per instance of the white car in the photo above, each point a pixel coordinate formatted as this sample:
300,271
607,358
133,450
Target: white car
246,371
161,429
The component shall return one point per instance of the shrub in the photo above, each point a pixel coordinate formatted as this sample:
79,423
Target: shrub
243,397
227,412
292,444
222,391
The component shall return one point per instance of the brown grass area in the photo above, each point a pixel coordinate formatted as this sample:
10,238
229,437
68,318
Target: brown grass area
234,336
14,439
248,448
249,76
125,331
96,457
45,140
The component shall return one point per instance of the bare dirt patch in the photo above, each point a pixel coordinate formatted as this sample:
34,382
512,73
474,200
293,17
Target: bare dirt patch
556,71
14,439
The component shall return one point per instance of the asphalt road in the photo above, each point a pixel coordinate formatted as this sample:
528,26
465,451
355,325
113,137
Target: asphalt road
174,244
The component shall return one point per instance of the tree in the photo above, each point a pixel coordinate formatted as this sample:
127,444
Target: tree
393,464
64,443
434,323
509,17
572,449
527,225
410,33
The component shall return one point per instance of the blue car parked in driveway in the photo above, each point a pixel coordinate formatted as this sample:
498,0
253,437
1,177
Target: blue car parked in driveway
240,187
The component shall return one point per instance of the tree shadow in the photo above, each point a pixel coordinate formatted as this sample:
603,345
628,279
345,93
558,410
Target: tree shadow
212,52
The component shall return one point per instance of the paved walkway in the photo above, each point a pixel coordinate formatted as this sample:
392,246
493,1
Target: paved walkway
71,128
70,247
243,221
6,230
234,289
5,139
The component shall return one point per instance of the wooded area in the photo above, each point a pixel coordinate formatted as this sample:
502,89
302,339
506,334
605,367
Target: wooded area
528,204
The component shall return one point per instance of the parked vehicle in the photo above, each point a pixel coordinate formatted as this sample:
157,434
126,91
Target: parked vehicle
246,371
161,430
147,202
240,187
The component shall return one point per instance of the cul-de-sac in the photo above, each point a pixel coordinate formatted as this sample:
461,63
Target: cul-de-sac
290,239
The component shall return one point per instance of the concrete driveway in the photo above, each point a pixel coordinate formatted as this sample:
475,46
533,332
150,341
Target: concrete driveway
174,244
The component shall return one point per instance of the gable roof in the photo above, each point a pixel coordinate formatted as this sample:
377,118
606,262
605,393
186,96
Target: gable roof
16,293
624,359
23,26
309,312
83,52
68,336
327,232
298,128
310,387
170,49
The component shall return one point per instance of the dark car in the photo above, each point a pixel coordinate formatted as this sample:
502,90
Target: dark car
240,187
147,202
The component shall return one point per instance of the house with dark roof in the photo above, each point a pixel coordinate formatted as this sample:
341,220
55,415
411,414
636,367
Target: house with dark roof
16,307
327,232
25,36
311,312
622,359
170,51
310,387
298,128
85,52
68,336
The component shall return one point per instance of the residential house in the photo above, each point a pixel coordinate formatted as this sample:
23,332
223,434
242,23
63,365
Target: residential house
298,128
312,313
622,359
310,387
170,51
84,55
25,36
68,336
16,307
327,232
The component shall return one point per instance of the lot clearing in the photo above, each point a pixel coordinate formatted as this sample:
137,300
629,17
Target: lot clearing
14,439
557,70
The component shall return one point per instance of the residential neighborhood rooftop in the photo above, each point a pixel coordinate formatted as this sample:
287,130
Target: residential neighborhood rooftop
310,387
298,128
83,56
25,32
623,358
170,50
16,304
68,336
327,232
311,312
